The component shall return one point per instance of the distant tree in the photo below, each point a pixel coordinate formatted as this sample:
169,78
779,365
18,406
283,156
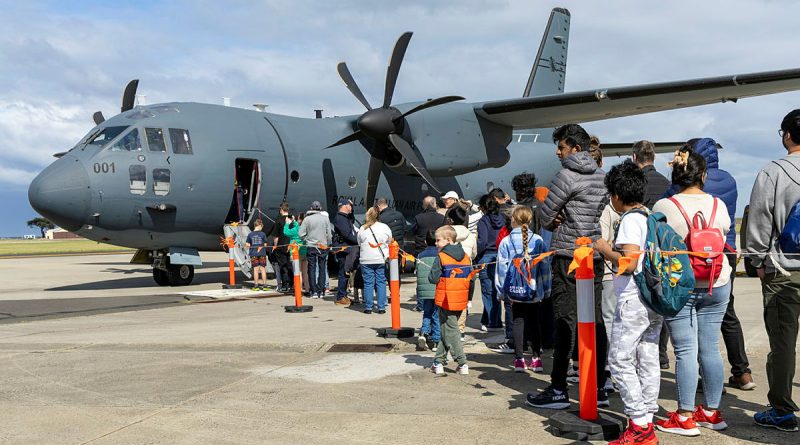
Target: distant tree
42,223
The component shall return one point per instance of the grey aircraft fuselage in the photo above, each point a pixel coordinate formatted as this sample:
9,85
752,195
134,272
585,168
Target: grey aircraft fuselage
90,190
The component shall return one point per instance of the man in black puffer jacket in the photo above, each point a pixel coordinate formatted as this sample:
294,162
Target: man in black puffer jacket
572,210
392,218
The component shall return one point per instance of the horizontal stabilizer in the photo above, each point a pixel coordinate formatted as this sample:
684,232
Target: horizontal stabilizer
625,149
586,106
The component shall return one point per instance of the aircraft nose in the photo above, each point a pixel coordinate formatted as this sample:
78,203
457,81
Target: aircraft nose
61,193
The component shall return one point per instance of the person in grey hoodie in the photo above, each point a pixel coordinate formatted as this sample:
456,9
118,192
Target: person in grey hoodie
775,193
316,231
572,210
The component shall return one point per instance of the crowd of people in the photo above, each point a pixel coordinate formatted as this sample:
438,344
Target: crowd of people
518,253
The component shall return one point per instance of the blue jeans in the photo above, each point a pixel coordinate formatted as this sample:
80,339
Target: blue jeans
374,277
695,333
317,263
491,305
430,320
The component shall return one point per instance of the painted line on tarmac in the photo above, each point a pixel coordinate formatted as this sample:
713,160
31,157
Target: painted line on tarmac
13,256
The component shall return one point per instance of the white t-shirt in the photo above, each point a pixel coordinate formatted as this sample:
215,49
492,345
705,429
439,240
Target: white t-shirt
632,230
693,203
374,255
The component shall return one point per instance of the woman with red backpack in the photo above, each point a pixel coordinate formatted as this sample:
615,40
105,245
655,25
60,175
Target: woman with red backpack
704,221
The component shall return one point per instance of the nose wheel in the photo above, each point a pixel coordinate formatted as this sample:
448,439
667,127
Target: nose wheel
175,275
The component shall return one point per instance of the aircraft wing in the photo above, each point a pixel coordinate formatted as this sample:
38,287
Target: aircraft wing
585,106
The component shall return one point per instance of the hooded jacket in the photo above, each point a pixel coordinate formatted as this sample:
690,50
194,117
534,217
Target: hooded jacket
719,183
468,241
425,289
579,194
455,251
488,228
316,229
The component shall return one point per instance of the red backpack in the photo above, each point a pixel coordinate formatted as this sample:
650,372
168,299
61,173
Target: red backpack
703,237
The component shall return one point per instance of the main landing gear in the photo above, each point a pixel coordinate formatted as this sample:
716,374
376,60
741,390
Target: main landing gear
165,274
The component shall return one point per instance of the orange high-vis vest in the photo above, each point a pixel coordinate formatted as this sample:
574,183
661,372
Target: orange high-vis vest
452,291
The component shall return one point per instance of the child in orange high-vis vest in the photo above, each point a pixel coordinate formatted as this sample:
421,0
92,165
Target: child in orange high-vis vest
451,272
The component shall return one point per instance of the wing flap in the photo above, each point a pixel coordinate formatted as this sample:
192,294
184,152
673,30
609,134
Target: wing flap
625,149
608,103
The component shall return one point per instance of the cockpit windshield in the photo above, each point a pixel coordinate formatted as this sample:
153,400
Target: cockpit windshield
105,135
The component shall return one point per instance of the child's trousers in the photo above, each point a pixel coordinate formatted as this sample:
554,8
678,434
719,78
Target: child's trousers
451,338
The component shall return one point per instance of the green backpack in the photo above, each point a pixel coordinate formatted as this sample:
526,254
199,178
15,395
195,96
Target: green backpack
666,281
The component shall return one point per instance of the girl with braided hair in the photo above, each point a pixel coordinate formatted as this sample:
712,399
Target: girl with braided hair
522,244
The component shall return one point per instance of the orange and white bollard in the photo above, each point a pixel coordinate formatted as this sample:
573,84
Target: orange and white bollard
587,342
231,243
298,283
587,423
394,294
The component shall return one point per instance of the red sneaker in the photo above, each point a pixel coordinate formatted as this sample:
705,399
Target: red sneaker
675,425
636,435
714,421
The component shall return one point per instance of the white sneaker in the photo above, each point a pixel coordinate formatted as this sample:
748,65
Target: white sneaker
422,343
437,368
463,369
502,348
484,328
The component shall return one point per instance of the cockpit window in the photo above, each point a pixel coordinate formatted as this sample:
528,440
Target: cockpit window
138,175
105,135
155,139
181,144
128,142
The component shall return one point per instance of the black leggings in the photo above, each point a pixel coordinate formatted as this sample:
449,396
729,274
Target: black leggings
526,328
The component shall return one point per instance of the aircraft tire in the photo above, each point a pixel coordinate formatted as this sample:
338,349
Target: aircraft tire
180,274
160,277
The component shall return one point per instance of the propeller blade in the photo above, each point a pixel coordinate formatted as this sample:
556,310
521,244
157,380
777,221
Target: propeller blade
350,138
373,176
98,117
431,103
351,84
130,95
408,153
394,66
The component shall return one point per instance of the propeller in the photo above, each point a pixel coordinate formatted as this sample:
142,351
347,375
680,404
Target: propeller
385,125
128,98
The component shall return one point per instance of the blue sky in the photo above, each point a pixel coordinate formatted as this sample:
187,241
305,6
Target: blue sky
61,61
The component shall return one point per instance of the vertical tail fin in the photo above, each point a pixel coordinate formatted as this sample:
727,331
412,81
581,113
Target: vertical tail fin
550,66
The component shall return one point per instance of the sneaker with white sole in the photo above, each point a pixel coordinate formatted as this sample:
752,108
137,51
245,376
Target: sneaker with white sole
673,424
536,365
550,398
503,348
422,343
462,369
520,365
712,421
437,368
484,328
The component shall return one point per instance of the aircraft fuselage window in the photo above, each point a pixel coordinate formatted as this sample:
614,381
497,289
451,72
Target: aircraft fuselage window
155,139
181,144
106,135
128,142
161,181
138,175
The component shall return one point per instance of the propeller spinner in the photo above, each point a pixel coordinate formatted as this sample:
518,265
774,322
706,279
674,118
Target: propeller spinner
384,125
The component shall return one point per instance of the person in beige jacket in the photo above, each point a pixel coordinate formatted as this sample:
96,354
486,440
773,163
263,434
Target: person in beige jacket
457,217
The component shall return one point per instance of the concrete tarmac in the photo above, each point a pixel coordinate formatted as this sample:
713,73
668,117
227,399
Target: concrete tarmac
248,372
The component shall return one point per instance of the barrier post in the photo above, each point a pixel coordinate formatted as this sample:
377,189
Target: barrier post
298,283
394,293
394,283
229,241
586,423
587,343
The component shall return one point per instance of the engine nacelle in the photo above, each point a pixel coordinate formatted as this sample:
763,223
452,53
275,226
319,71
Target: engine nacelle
452,140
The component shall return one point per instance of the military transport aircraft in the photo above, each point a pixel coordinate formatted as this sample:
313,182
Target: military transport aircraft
166,178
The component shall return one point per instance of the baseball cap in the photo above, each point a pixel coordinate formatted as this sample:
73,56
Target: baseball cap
316,205
450,194
344,202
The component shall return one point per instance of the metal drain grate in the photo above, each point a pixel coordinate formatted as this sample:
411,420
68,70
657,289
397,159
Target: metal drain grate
360,347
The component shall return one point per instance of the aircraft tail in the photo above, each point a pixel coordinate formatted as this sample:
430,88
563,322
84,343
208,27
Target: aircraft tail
550,66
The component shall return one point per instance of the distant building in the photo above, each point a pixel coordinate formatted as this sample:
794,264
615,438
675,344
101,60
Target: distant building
59,233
